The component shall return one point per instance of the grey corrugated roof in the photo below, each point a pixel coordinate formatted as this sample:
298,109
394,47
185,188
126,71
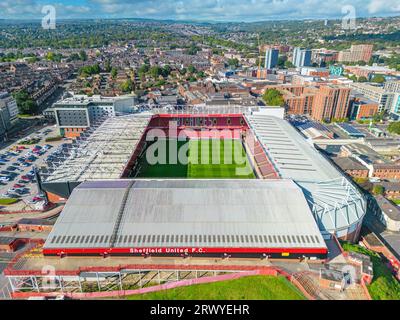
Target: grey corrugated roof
335,201
181,213
292,155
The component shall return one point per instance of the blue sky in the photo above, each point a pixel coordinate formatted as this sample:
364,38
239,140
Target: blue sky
207,10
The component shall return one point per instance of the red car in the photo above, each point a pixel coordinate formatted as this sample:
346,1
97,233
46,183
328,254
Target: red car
16,186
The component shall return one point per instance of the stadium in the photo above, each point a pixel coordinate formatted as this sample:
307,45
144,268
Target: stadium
283,199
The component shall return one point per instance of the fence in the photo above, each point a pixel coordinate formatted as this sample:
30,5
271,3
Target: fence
121,293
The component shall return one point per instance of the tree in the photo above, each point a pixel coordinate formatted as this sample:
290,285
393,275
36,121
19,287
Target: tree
191,69
281,61
155,71
362,79
378,190
127,86
83,55
233,63
378,78
289,64
394,127
114,73
107,66
273,97
25,104
183,71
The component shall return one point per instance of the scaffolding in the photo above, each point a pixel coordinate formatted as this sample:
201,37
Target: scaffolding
102,281
101,152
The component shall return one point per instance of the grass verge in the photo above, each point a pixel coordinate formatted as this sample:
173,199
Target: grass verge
246,288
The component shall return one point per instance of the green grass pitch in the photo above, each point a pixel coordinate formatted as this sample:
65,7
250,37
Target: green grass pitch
206,159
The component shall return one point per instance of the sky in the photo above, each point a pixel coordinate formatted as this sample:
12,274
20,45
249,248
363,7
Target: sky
203,10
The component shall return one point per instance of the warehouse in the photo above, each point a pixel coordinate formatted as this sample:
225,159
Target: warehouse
206,218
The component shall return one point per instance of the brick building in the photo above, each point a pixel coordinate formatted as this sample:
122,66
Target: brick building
386,171
352,167
331,102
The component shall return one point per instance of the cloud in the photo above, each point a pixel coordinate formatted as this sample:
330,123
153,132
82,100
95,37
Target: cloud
212,10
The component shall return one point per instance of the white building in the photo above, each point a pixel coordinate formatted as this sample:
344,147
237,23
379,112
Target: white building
7,101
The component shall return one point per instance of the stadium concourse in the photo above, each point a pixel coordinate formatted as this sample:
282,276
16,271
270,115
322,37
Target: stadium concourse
294,199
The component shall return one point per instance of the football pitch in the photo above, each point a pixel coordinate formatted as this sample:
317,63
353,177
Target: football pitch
203,159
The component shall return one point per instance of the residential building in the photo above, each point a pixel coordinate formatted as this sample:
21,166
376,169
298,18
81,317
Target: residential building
352,167
360,52
271,58
331,102
7,101
301,57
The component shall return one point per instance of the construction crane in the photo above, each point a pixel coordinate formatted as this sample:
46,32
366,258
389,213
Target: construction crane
259,57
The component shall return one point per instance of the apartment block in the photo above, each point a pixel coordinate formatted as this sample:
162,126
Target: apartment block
331,102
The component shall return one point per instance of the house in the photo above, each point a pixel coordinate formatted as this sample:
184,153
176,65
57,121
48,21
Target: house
34,225
352,167
10,244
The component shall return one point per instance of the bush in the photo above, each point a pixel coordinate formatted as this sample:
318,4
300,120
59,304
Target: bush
50,139
378,190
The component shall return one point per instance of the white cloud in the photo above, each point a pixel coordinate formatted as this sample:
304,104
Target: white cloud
216,10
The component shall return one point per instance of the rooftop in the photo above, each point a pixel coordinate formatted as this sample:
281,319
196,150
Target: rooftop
187,213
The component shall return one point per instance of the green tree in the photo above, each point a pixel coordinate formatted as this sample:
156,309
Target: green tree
155,71
378,190
394,127
289,64
192,69
83,55
378,78
273,97
127,86
25,104
362,79
233,63
114,73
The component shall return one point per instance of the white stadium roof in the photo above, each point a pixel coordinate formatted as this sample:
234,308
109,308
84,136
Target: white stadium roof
337,204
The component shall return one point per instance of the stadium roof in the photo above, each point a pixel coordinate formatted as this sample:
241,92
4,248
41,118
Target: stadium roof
335,201
292,155
179,213
101,152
